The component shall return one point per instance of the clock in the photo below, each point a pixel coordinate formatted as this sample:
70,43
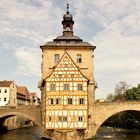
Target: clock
67,28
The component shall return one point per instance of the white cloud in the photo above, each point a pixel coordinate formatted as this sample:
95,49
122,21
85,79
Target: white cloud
113,26
117,53
29,61
117,40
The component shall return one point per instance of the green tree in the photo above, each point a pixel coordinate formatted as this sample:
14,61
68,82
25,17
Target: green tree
133,93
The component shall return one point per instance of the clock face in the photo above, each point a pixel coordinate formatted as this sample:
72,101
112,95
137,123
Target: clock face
68,29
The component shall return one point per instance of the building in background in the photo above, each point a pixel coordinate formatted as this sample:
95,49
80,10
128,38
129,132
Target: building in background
23,96
14,96
35,100
8,92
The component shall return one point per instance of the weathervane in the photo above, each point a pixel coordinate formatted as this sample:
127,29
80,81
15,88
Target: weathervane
68,1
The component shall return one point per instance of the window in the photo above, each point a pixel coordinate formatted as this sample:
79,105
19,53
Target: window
58,101
60,118
65,65
66,86
56,58
80,118
67,42
79,87
72,75
65,119
81,101
50,101
69,101
50,118
5,99
59,75
5,91
79,58
52,86
67,27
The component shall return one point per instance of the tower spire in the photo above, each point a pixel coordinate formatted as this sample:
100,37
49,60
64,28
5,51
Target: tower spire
68,3
67,8
67,22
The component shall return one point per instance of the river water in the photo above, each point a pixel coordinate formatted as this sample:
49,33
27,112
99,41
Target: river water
34,134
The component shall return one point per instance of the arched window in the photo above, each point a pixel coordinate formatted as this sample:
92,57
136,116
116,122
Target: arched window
67,27
79,58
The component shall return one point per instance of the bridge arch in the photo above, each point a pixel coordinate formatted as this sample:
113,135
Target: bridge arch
104,111
30,113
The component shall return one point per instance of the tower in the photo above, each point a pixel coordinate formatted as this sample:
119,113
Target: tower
67,83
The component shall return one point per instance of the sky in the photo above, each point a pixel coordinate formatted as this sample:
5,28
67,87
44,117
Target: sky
113,26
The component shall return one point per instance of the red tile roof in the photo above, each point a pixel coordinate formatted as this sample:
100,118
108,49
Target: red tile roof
22,90
5,83
34,94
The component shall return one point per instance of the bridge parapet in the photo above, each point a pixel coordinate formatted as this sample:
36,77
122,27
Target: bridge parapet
117,103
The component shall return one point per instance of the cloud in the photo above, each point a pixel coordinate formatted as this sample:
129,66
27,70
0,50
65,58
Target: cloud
113,26
25,25
29,61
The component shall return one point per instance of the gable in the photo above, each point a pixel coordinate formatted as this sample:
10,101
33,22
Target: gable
66,70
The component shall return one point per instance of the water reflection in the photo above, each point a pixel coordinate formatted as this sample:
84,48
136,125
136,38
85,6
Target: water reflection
34,133
117,134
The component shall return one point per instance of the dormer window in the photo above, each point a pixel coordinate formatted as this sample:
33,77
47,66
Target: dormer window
79,58
56,58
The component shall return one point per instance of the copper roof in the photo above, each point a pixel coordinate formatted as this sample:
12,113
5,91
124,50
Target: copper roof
5,83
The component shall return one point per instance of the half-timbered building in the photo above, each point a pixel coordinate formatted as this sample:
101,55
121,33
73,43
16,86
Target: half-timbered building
67,83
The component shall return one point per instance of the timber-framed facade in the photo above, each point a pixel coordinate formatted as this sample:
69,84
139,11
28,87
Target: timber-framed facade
67,83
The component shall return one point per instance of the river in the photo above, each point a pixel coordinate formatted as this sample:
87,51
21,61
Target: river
34,134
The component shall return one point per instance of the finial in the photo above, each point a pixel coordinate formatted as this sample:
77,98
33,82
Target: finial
67,7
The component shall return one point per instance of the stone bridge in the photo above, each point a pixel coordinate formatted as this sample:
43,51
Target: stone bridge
103,111
31,112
